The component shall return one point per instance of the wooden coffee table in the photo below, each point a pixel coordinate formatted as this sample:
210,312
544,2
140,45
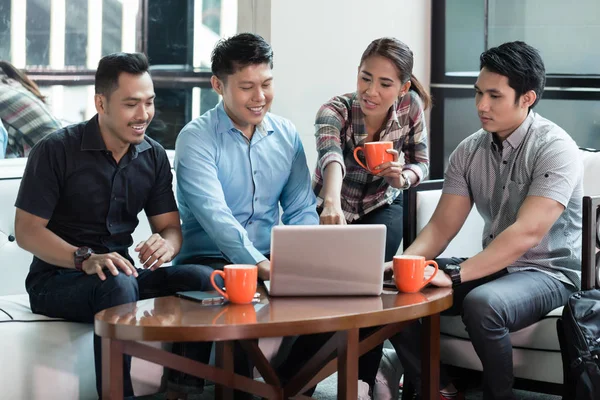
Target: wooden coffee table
171,319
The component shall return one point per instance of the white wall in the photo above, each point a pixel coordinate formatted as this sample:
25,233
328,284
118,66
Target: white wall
317,46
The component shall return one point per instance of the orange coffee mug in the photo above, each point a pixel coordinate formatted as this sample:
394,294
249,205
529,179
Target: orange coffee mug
409,273
236,314
375,154
240,282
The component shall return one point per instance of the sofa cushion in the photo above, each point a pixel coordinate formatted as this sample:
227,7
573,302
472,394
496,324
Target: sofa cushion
540,336
463,245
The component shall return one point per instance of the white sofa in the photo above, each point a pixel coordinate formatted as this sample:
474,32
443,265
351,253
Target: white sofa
536,351
44,358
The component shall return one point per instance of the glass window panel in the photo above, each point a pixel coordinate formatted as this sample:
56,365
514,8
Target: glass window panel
38,32
465,27
112,18
76,32
170,32
5,8
580,118
566,33
70,104
173,108
460,121
211,15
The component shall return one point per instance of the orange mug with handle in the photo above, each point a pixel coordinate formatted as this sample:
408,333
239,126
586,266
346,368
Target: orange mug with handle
375,154
409,273
240,282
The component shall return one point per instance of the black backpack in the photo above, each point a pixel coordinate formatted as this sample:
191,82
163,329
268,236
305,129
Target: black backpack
579,337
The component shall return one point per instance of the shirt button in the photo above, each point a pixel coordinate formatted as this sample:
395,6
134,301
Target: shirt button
250,223
491,236
256,199
110,225
504,162
255,172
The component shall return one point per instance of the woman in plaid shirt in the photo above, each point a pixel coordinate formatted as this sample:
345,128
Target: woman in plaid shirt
388,105
23,111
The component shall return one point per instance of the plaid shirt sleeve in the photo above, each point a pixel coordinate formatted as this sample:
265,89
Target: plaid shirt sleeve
330,122
415,144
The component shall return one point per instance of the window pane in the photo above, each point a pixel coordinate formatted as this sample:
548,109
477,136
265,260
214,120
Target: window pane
465,27
76,32
211,15
460,120
183,33
578,117
70,104
5,29
112,16
173,108
566,33
52,37
38,32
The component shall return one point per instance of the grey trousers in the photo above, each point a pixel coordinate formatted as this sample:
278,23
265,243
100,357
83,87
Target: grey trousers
491,308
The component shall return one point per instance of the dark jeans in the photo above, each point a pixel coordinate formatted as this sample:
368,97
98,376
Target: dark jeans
242,364
75,296
391,216
305,346
491,308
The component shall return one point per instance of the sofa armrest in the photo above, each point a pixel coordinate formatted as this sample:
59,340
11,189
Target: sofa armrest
410,209
590,274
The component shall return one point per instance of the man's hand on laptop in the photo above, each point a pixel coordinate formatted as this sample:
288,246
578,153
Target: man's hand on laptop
264,270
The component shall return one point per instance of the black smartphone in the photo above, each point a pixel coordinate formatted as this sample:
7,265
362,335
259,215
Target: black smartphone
206,298
389,284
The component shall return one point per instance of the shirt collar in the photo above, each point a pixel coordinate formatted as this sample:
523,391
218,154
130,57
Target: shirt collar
92,139
519,134
225,124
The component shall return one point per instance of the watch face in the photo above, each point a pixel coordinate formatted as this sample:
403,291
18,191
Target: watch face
83,251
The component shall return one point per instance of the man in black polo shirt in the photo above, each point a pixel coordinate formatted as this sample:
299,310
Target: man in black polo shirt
77,207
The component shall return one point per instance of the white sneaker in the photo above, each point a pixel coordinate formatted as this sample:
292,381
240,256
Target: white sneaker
363,391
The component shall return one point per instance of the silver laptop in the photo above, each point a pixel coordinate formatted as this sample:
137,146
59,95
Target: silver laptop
327,260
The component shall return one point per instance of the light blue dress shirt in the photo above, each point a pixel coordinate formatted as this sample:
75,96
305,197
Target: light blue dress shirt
229,189
3,140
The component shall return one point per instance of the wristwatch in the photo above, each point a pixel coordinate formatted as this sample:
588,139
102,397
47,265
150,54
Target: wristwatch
80,255
407,182
453,270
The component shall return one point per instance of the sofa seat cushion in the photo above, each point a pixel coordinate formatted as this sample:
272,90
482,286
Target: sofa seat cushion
539,336
16,308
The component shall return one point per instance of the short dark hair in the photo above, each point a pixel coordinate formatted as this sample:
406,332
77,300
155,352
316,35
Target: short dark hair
234,53
111,66
520,63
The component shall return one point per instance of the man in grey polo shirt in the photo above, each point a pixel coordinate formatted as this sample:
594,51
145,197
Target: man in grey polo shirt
524,175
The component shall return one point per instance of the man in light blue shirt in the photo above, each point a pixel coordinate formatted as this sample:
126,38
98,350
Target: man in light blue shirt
237,163
3,140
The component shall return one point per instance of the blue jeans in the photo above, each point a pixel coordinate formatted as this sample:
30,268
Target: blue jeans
75,296
491,308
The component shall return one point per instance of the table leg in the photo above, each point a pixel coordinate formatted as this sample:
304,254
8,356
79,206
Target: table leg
224,360
430,375
112,369
348,365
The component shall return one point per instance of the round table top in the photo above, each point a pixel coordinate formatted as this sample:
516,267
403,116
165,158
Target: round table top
175,319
